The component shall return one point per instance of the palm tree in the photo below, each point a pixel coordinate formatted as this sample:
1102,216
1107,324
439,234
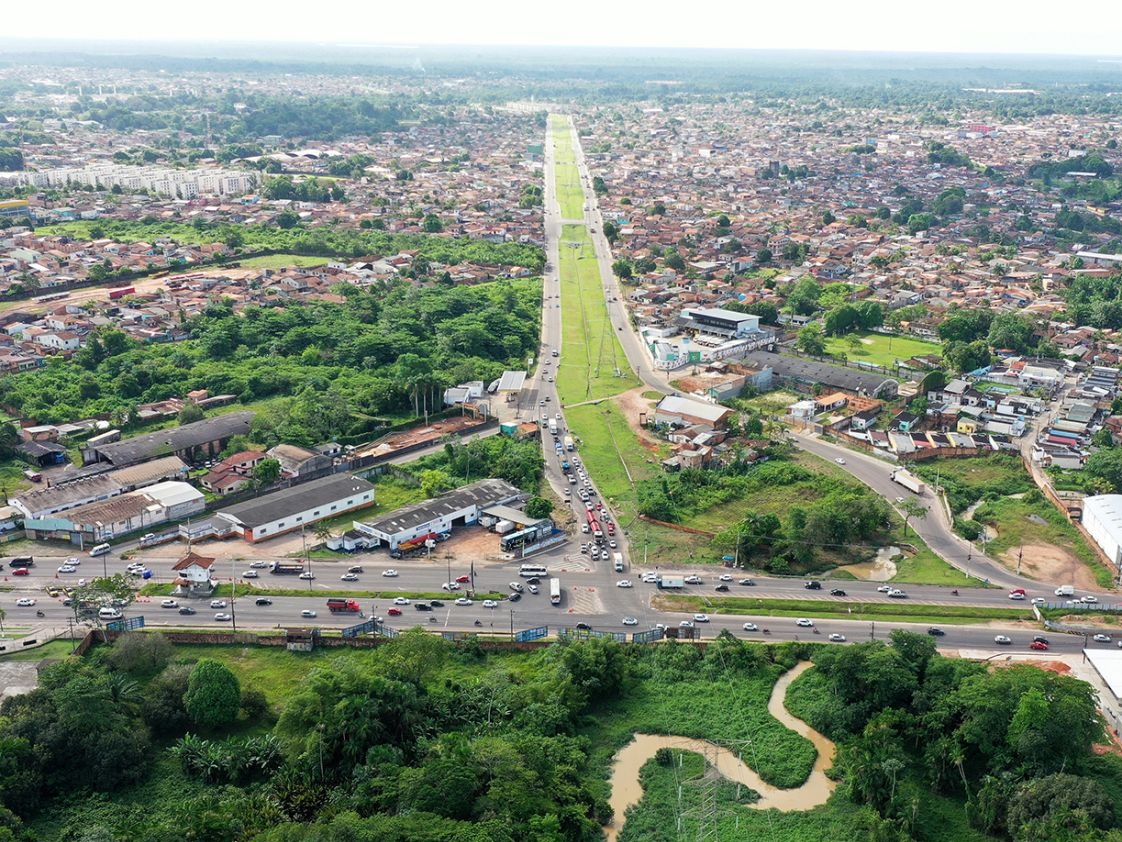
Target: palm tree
322,531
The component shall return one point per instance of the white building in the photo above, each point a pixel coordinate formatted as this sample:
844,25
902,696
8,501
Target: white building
1102,518
298,507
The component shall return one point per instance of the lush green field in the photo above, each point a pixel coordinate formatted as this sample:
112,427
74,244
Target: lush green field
881,349
570,196
281,261
900,611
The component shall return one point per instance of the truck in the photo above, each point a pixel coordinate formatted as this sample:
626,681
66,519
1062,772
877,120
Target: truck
909,481
671,582
120,292
504,526
413,544
343,606
286,568
553,426
566,467
1065,590
617,562
568,440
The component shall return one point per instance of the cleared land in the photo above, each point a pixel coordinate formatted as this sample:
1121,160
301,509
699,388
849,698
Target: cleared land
880,348
282,261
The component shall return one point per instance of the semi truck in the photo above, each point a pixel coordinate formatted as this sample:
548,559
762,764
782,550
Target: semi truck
343,606
910,482
286,568
568,443
671,582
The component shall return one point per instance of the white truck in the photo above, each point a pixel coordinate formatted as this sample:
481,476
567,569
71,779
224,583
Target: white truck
909,481
553,426
1065,590
617,562
568,442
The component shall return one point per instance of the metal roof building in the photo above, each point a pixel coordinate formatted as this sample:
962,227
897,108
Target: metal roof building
299,506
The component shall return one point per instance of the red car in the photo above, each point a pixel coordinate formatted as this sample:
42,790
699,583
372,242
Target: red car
396,612
463,579
1039,645
21,571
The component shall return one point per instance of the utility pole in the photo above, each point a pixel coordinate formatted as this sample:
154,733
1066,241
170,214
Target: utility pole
233,598
511,625
307,561
1020,552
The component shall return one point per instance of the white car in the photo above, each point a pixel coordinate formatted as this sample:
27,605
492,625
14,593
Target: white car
584,528
1089,600
1016,596
1039,600
900,500
463,600
169,603
450,586
623,583
837,638
692,580
686,624
517,586
400,600
725,577
751,627
389,574
307,612
349,577
804,622
1002,639
307,575
840,461
25,602
532,588
67,568
1101,638
884,588
258,565
701,618
490,603
650,578
218,603
222,618
630,621
249,574
73,561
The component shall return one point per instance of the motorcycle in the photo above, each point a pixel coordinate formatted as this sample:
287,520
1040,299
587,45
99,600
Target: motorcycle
954,592
478,623
432,619
40,614
816,631
767,631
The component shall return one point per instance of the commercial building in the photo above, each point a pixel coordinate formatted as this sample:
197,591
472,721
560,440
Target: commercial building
190,442
103,520
717,321
1102,518
811,372
440,514
687,412
297,507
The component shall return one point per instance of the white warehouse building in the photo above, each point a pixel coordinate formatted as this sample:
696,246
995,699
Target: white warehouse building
1102,518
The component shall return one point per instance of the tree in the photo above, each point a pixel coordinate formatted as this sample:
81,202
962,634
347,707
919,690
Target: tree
622,269
266,472
1012,331
764,256
967,356
1106,464
811,341
287,219
190,414
912,508
140,653
538,507
803,298
434,482
841,320
432,224
828,218
213,694
723,221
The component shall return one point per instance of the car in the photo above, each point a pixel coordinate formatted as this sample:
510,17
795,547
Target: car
701,618
463,600
812,585
218,603
514,597
1016,596
73,561
548,398
558,416
1038,646
746,582
541,403
836,638
349,577
435,603
355,568
67,568
630,621
725,577
307,612
1101,638
259,565
584,528
422,606
389,574
900,500
25,602
394,612
307,575
612,543
1089,600
650,577
935,631
839,460
262,600
896,593
450,586
1039,600
532,588
463,579
721,587
222,617
400,600
624,583
187,611
583,627
1004,640
249,574
517,586
804,622
884,588
837,592
533,580
169,603
692,580
751,627
1039,638
490,603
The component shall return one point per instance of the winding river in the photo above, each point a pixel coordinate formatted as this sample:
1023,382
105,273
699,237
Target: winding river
626,790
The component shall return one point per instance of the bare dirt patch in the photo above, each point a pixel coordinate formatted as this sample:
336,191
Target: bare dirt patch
1048,563
632,404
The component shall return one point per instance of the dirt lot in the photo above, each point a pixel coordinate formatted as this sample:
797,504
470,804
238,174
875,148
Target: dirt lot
1048,563
632,404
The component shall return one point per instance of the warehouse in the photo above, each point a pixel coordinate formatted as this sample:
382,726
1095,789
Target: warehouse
191,442
104,520
440,514
299,506
1102,518
678,411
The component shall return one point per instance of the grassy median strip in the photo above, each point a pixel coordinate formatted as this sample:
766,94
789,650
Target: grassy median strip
223,590
899,612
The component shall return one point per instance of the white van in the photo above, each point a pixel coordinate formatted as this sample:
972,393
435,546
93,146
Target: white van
101,549
107,612
1065,590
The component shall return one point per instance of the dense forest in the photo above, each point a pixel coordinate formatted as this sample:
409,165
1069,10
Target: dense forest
384,352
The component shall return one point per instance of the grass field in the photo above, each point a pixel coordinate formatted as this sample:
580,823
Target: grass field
881,349
54,649
612,453
897,611
282,261
570,196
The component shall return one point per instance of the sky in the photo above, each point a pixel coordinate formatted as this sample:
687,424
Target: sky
1091,27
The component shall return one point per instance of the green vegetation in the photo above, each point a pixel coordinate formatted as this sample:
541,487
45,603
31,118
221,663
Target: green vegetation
898,611
879,348
386,353
281,261
570,194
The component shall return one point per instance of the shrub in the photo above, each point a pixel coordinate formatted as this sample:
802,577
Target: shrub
213,694
140,653
664,757
254,704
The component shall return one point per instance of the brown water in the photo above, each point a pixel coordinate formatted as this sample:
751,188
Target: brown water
626,790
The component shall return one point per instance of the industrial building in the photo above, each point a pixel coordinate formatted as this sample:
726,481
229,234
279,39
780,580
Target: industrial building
439,515
678,411
191,442
297,507
1102,518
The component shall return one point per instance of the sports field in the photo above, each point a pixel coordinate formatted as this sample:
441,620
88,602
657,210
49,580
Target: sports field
879,348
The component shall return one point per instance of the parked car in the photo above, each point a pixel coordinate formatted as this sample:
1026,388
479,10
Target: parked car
532,588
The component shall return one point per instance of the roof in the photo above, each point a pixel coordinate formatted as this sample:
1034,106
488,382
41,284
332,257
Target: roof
163,442
510,513
65,495
147,472
677,405
1108,664
193,558
512,381
485,492
113,510
811,371
172,493
298,498
720,313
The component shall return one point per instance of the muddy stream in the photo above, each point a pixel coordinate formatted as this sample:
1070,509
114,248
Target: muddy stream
814,792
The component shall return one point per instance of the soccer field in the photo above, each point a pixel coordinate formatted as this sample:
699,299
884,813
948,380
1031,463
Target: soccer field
879,348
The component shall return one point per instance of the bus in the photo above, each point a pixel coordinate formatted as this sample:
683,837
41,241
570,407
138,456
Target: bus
528,571
555,591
